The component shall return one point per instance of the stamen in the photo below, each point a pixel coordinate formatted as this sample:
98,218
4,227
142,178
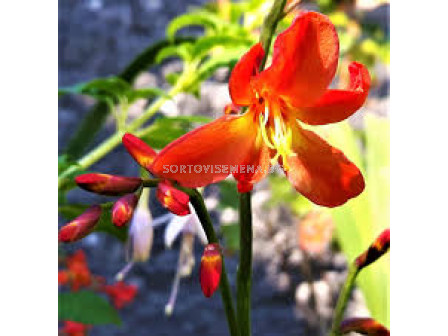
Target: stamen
263,133
120,275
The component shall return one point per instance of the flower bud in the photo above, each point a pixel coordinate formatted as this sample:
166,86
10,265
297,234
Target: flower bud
81,226
210,269
231,108
379,247
139,150
364,326
123,209
109,185
173,199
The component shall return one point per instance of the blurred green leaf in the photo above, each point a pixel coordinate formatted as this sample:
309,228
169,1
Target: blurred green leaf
360,220
197,18
184,51
86,307
205,44
71,211
166,129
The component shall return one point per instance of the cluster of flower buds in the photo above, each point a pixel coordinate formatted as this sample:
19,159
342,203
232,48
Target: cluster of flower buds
379,247
364,326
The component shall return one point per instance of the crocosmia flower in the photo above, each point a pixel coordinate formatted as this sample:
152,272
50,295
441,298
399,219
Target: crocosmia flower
109,185
292,91
120,293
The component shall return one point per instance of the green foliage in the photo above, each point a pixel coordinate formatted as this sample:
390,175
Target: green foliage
231,234
86,307
197,18
360,220
166,129
71,211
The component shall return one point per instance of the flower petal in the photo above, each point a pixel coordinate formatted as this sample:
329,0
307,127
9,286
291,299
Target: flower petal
321,172
139,150
173,199
247,67
337,105
205,155
304,61
256,166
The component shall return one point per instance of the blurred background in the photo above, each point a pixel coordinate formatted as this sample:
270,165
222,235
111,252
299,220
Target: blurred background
300,249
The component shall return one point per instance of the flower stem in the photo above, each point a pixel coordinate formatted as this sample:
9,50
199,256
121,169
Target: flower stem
114,140
244,275
198,203
343,299
269,26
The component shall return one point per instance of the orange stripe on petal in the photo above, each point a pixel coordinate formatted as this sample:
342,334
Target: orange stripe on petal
321,172
247,67
304,61
206,154
337,105
173,199
256,166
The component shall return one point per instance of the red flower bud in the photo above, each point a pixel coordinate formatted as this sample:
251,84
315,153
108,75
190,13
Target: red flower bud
81,226
173,199
210,269
139,150
365,326
109,185
74,329
123,209
379,247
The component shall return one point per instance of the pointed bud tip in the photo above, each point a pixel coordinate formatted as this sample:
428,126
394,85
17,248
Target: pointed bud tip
210,269
143,154
81,226
123,209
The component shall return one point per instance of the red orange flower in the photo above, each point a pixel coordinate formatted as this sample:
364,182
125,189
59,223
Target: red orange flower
120,293
171,198
294,88
378,248
74,329
77,274
364,326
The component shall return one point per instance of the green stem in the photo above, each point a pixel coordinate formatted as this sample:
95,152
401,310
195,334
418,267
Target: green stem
115,139
198,203
244,275
343,299
269,26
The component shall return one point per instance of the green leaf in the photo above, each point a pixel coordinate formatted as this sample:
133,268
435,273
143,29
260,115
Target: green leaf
96,117
360,220
86,307
71,211
183,51
166,129
198,18
205,44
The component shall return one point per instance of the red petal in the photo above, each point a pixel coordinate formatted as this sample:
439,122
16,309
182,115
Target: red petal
304,61
247,67
173,199
109,185
364,325
123,209
210,269
205,155
81,226
337,105
321,172
256,166
139,150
